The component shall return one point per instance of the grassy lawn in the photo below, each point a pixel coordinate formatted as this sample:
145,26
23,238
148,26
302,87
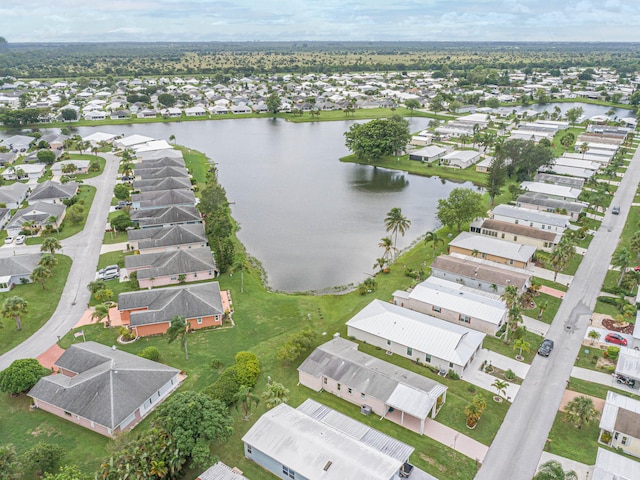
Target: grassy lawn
567,441
589,360
574,263
585,242
553,304
606,309
84,176
549,283
196,166
630,227
42,304
497,345
114,237
85,198
595,389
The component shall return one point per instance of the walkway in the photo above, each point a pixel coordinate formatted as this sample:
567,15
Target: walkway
113,247
535,326
584,471
474,375
554,292
549,274
456,440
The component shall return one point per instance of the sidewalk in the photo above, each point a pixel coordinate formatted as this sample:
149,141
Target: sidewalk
605,379
535,326
583,471
113,247
456,440
481,379
548,275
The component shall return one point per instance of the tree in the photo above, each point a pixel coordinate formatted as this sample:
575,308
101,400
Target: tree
101,312
172,139
50,244
14,307
274,103
245,398
378,138
166,99
573,114
69,168
580,411
389,249
496,177
178,330
48,261
43,458
522,345
622,258
568,140
562,255
75,214
67,472
69,115
194,421
584,148
501,387
412,104
104,294
594,335
121,222
96,286
121,192
53,220
21,375
10,466
247,368
463,205
396,223
225,387
41,274
552,470
511,298
46,156
432,236
275,394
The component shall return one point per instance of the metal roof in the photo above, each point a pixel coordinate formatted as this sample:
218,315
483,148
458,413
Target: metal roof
529,215
544,201
629,363
425,333
220,471
613,407
611,466
553,190
493,246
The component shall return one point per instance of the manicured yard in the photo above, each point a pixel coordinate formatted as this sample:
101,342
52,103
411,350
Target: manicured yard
194,163
41,305
567,441
553,304
588,358
84,176
606,309
497,345
574,263
114,237
594,389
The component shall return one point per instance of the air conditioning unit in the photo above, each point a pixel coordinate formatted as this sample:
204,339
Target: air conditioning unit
365,410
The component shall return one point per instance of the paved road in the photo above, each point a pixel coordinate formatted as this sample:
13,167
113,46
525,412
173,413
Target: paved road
517,447
84,250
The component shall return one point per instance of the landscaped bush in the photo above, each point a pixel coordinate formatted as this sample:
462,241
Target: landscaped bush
225,388
247,368
453,375
215,363
126,334
21,375
509,375
150,353
612,352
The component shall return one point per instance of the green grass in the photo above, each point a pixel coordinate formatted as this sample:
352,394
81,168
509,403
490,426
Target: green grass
114,237
630,227
86,193
574,263
589,360
553,304
585,242
549,283
497,345
194,161
41,305
606,309
595,389
567,441
84,176
556,147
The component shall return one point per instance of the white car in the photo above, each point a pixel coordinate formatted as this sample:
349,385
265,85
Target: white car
20,239
8,240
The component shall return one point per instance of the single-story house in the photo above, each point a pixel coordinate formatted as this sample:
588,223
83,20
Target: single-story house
98,137
313,441
143,173
13,195
455,303
5,216
620,424
220,471
149,312
163,198
30,171
53,192
559,192
417,336
393,393
547,221
522,234
499,251
195,111
602,158
18,143
575,163
156,154
155,184
460,158
171,112
7,158
422,139
569,171
17,269
147,113
164,239
95,115
483,165
120,114
428,154
542,203
32,157
152,146
559,180
480,274
82,166
170,268
41,213
162,162
629,363
166,216
55,140
131,140
104,389
611,466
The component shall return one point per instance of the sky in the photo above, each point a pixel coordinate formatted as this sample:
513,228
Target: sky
346,20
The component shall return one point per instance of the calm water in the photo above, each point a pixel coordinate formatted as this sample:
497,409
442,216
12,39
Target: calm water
589,109
311,220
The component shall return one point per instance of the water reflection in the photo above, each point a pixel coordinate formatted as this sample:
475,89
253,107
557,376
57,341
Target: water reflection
375,179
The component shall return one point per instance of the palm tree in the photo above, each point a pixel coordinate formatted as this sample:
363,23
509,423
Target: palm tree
50,244
511,298
101,312
14,307
552,470
622,258
41,274
543,306
594,335
178,330
500,386
96,286
48,261
275,394
29,225
580,411
380,263
584,148
396,222
433,237
244,398
387,244
172,138
562,255
522,345
53,220
473,413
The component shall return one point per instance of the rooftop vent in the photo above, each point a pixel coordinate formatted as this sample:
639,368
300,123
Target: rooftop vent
326,467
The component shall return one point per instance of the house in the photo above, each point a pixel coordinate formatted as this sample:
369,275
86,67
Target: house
601,158
12,196
455,303
120,114
460,158
32,157
81,166
144,173
104,389
152,146
18,143
220,471
195,111
620,424
559,192
417,336
163,198
55,140
559,180
25,171
521,234
499,251
480,274
95,115
427,154
40,213
164,239
97,138
629,363
166,216
130,141
149,312
483,165
162,162
17,269
5,216
542,203
315,442
547,221
53,192
154,184
611,466
169,268
7,158
577,172
392,392
157,154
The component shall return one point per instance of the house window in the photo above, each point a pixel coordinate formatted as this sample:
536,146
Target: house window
517,221
363,396
288,472
435,308
483,255
174,278
625,441
249,449
450,364
325,380
199,320
531,225
388,342
339,386
427,358
515,238
195,275
409,351
510,262
349,390
465,318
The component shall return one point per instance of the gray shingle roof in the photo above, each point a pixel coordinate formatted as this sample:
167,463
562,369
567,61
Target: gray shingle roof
50,189
163,198
157,237
37,212
162,172
19,264
11,193
110,384
162,162
544,201
165,303
153,184
174,262
166,215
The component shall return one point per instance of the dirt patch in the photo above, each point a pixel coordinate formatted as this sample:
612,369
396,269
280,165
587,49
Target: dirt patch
40,430
605,362
609,324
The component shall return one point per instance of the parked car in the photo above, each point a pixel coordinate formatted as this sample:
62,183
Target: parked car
546,347
109,272
20,239
636,268
8,240
615,210
616,338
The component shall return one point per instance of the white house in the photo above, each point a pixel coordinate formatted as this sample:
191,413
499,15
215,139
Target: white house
559,192
460,158
620,423
611,466
541,220
428,154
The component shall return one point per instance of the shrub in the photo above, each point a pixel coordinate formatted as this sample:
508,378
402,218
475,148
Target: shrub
247,368
21,375
605,437
509,375
225,388
453,375
215,363
613,352
150,353
471,388
126,334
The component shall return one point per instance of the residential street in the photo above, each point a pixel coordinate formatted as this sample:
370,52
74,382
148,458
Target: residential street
516,449
84,250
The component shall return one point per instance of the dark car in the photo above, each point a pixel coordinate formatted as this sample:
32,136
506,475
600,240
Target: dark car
615,338
545,348
616,210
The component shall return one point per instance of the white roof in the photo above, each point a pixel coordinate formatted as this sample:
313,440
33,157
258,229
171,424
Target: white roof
629,363
99,137
152,146
462,155
425,333
27,168
571,171
458,298
589,156
613,403
318,442
474,118
529,215
611,466
493,246
429,151
220,471
134,140
567,161
552,190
